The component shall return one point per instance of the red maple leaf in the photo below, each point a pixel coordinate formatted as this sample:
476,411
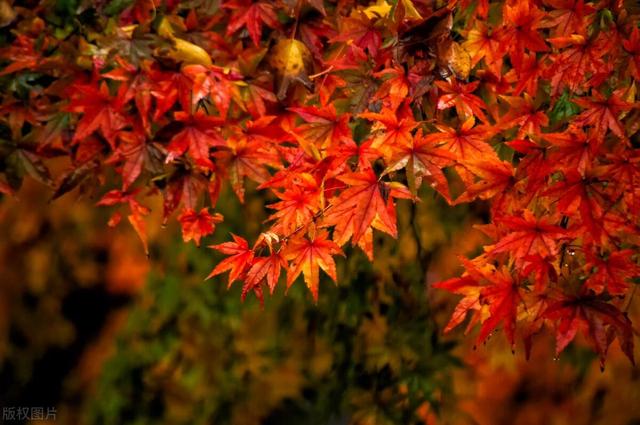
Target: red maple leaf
602,113
253,16
264,268
528,236
422,158
493,178
308,256
239,260
598,320
100,110
611,272
568,17
199,134
366,203
460,96
521,21
297,207
323,128
468,143
491,294
195,225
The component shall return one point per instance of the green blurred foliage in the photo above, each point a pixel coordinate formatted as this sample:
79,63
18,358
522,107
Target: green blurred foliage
369,352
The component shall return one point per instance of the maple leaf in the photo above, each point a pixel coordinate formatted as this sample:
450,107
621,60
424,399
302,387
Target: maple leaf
622,166
572,149
323,128
526,74
521,21
199,134
100,111
195,225
469,287
584,195
395,88
169,88
298,206
268,268
239,260
468,143
215,82
632,46
359,31
491,294
253,16
133,85
598,320
568,17
528,236
602,113
542,269
611,272
460,96
422,158
308,256
257,98
137,154
22,54
494,178
534,167
524,114
314,34
481,43
249,151
365,152
183,187
367,202
503,297
570,66
391,128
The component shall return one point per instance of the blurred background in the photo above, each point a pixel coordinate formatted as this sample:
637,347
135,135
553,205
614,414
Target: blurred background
91,327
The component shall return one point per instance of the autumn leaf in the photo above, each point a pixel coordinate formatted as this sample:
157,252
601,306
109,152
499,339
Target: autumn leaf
252,15
195,225
239,260
323,128
602,113
100,111
468,143
490,294
612,272
493,179
308,256
296,208
470,289
268,268
137,211
200,133
392,128
366,203
598,320
460,96
528,236
292,61
422,158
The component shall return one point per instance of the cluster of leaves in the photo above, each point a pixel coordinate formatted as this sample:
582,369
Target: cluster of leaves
337,109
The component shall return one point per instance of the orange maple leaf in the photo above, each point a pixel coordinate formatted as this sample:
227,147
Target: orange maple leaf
308,256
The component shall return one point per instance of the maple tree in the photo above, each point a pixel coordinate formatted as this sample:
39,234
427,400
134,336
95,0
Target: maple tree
337,109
